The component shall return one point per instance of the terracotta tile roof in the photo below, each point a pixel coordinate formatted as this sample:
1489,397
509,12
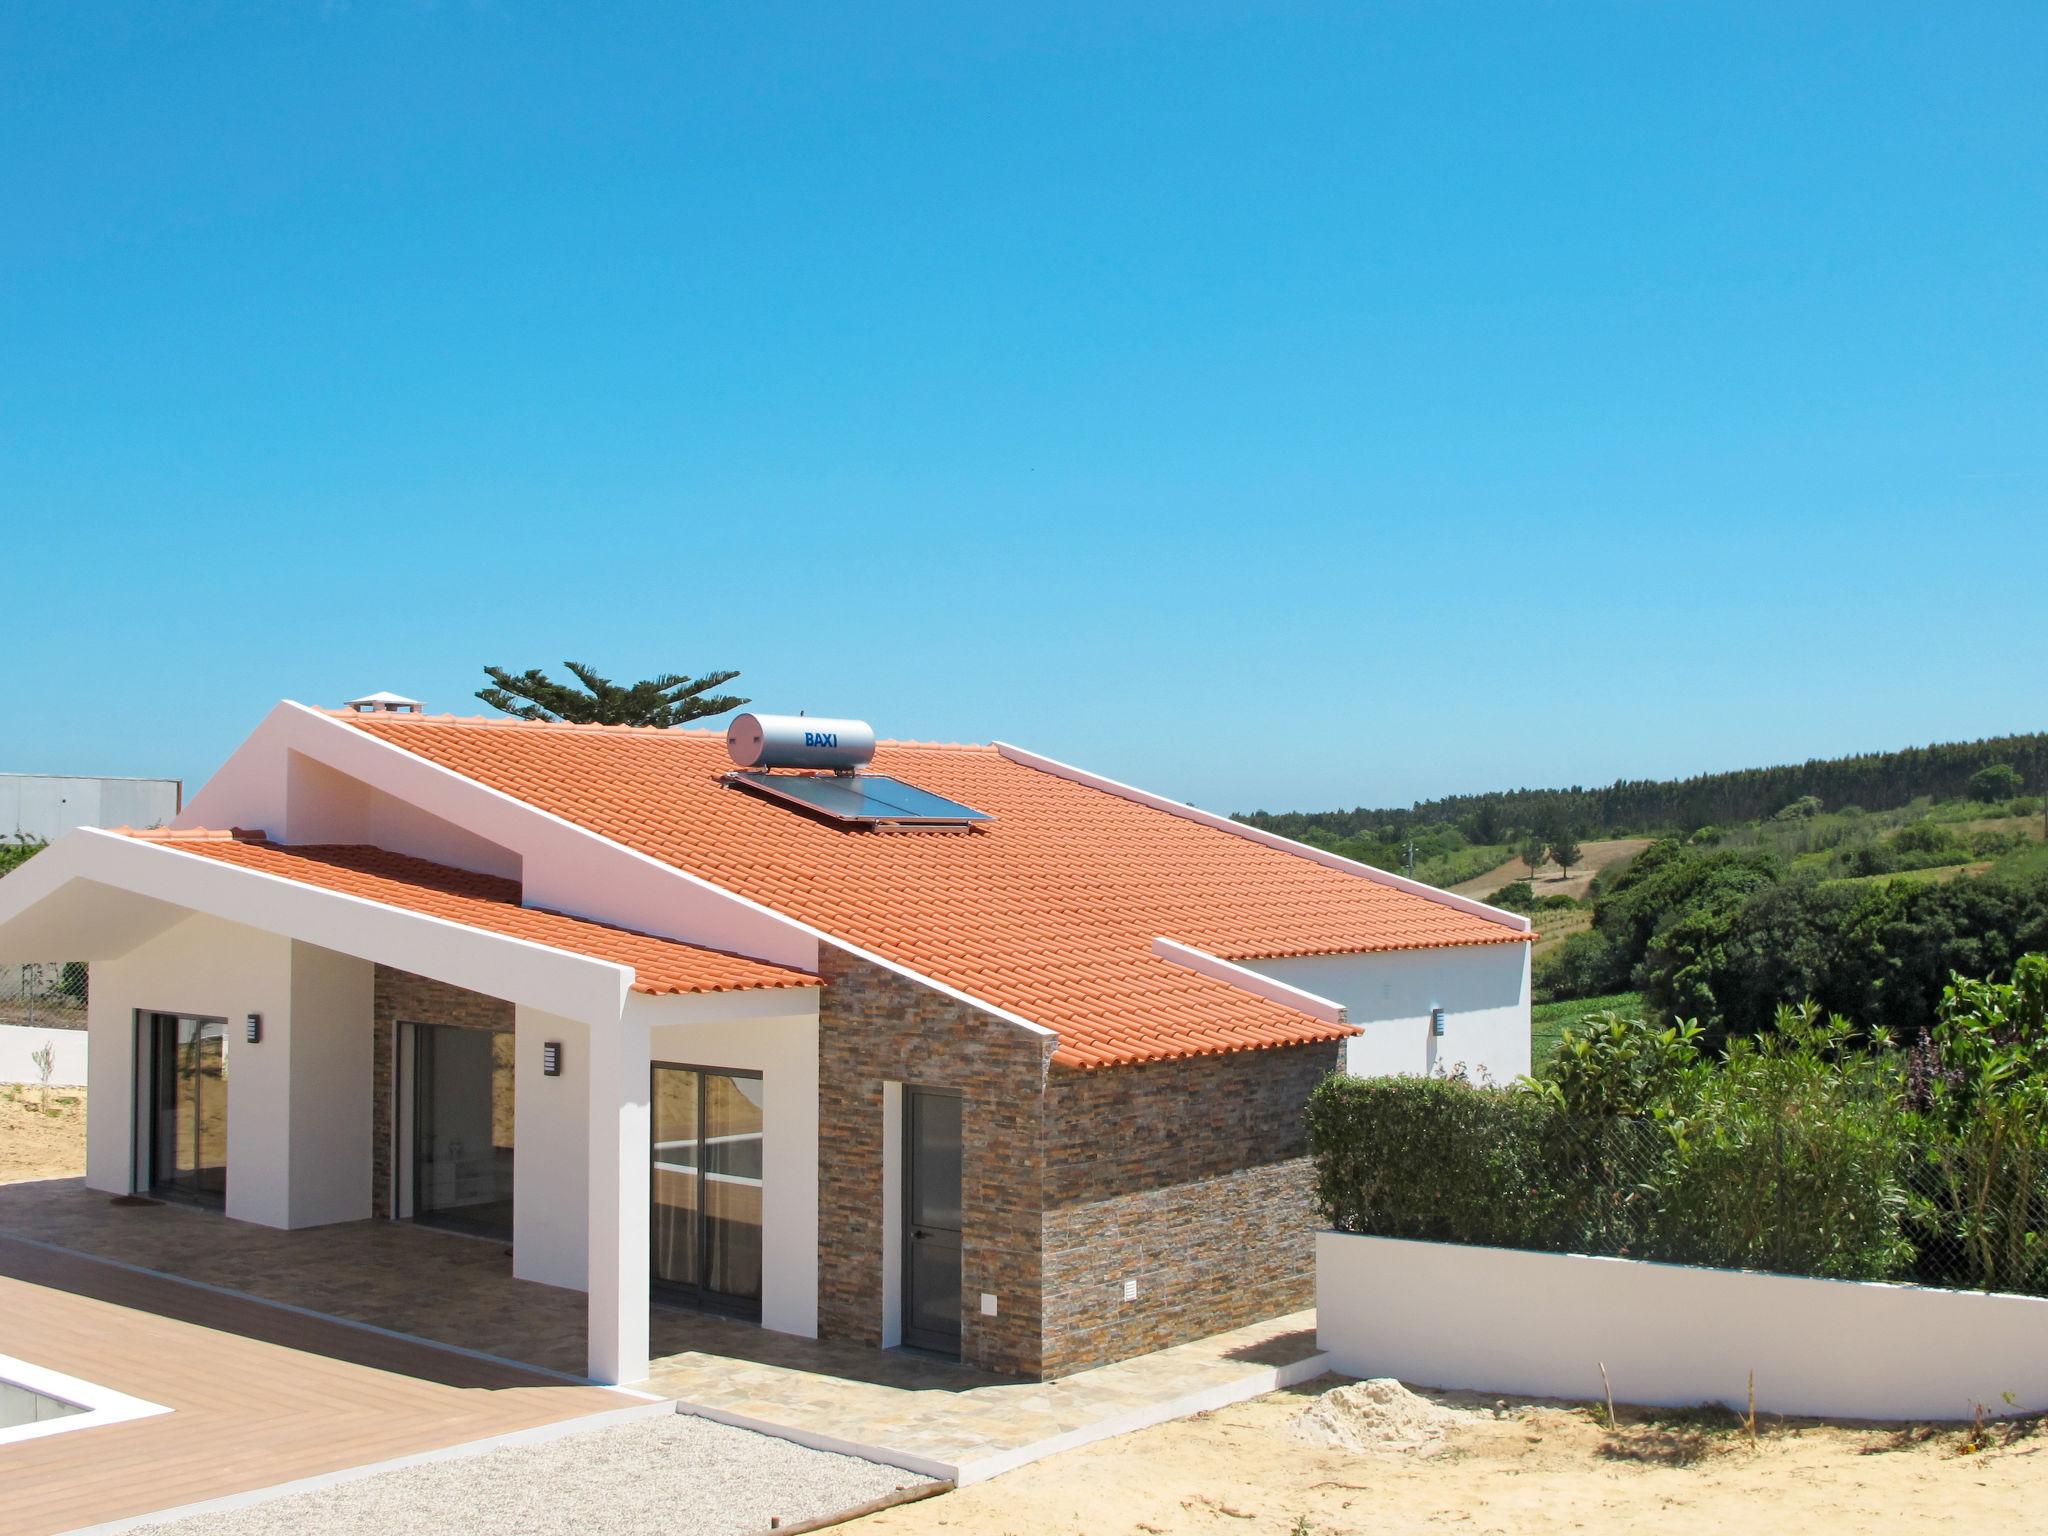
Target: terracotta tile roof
486,902
1049,911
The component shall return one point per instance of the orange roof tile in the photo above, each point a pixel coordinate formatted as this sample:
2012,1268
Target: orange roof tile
486,902
1048,911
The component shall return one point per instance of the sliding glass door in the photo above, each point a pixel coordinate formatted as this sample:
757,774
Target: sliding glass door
462,1129
706,1233
188,1121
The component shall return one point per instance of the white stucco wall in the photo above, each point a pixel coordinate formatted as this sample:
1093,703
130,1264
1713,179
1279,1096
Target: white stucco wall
327,1041
324,806
209,968
1542,1324
551,1153
1482,988
298,1100
784,1050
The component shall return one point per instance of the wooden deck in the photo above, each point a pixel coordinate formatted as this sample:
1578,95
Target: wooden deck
259,1395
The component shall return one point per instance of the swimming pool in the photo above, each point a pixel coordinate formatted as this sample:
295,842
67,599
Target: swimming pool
37,1401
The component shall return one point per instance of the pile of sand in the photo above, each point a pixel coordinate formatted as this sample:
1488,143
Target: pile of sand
1375,1415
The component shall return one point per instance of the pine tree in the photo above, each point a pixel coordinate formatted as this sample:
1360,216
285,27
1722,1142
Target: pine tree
1565,851
1532,855
658,701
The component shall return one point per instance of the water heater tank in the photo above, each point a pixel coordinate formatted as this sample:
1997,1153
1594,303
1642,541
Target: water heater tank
799,741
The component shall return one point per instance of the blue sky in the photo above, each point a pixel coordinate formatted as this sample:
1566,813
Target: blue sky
1286,406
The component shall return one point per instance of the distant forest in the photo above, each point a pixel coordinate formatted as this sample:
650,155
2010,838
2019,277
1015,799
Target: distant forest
1875,781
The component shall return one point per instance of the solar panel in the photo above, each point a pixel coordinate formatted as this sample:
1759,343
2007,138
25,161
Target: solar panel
863,797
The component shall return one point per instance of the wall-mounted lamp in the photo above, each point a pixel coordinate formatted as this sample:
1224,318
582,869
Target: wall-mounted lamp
1436,1021
252,1028
551,1058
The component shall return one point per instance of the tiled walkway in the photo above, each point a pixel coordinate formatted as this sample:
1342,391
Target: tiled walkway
933,1415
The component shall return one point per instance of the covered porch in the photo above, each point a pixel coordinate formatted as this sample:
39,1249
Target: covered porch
304,1056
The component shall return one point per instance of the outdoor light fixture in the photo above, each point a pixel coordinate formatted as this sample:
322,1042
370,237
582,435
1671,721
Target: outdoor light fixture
253,1027
1436,1021
551,1058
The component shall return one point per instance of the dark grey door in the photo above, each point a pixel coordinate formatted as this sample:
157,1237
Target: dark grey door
188,1121
931,1220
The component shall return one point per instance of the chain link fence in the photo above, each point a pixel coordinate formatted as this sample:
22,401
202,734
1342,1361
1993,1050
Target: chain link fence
44,995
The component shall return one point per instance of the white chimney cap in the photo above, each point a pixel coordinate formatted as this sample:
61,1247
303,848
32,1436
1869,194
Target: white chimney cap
385,703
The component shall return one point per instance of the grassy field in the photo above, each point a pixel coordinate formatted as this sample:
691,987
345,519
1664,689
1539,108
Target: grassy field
1935,875
1594,856
1549,1021
1556,924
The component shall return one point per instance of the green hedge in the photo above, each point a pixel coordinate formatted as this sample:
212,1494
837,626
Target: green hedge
1744,1187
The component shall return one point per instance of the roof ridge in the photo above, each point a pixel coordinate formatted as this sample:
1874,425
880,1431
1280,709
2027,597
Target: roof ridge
503,722
192,834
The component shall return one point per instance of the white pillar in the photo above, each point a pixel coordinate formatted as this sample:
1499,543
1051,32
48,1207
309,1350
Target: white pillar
619,1195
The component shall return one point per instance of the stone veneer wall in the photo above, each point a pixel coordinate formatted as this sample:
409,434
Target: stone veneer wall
1191,1178
401,997
875,1026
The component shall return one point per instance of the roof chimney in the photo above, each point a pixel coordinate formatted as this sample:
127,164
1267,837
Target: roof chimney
383,703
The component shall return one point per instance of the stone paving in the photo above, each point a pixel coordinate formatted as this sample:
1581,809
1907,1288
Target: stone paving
968,1424
460,1291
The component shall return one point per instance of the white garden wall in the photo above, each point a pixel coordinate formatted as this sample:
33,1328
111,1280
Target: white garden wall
20,1042
1482,988
1542,1324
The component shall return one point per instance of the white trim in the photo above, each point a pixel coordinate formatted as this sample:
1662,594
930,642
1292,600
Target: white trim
102,1405
1323,856
1247,980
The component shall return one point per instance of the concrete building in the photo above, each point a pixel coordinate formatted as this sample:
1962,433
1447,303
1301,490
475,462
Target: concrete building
42,807
970,1051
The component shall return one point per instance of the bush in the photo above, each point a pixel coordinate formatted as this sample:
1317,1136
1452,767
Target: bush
1994,781
1437,1159
1585,965
1790,1159
1931,841
1515,896
1557,902
1811,1149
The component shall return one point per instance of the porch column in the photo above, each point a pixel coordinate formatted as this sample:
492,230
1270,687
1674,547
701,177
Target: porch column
619,1195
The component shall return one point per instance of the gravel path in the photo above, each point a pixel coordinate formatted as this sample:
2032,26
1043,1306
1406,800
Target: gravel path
671,1475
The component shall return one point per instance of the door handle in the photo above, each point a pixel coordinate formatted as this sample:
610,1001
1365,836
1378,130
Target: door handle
919,1232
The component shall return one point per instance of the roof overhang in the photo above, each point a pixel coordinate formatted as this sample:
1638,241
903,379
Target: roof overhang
95,895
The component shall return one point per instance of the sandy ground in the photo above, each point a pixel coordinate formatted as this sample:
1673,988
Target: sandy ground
38,1144
1532,1470
1552,881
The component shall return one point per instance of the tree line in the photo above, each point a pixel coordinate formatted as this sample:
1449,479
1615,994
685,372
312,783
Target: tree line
1876,781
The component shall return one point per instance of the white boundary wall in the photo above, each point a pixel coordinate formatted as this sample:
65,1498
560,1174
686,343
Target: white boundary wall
18,1042
1542,1324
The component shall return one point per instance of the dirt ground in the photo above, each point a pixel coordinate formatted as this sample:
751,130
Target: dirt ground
38,1144
1552,881
1525,1468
